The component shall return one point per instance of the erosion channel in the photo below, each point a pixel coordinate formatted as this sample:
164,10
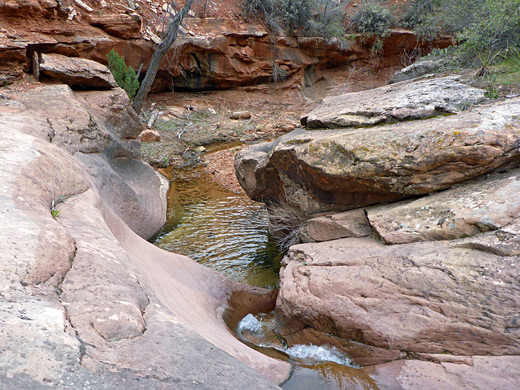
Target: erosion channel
228,232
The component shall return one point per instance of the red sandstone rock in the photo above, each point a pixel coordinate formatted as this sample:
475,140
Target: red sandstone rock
150,135
80,302
76,71
125,26
336,170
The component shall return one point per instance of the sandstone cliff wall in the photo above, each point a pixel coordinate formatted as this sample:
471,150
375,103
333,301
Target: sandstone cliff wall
210,53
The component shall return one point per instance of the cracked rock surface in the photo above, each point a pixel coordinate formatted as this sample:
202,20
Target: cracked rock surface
418,99
320,171
414,242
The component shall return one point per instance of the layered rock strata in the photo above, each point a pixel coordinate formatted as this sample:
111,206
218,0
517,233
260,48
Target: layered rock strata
433,278
337,170
211,52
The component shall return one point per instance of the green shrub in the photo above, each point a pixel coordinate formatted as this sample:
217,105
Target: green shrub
513,59
125,76
323,18
372,18
496,28
484,28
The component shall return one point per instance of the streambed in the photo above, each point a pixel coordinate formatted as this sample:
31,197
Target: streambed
218,228
228,232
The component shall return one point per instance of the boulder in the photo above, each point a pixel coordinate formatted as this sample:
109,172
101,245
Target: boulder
341,225
150,135
338,170
125,26
457,297
86,122
486,204
240,115
76,71
417,69
476,373
392,103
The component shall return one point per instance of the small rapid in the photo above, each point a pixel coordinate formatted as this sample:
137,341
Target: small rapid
228,233
261,324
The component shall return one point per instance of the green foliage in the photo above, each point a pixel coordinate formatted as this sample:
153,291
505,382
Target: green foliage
513,59
323,18
485,29
125,76
491,89
372,18
55,212
495,28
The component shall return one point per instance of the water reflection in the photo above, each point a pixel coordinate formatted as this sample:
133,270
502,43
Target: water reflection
217,228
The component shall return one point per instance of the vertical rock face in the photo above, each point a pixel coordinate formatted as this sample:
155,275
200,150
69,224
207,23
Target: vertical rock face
80,302
211,52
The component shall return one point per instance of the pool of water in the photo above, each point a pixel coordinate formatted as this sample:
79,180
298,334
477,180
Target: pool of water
228,233
220,229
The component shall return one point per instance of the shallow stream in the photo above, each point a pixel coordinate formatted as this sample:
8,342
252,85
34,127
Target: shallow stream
228,232
220,229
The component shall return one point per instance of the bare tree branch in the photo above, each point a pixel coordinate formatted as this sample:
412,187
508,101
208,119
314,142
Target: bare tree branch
159,54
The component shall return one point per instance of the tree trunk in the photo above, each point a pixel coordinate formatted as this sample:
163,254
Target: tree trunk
158,56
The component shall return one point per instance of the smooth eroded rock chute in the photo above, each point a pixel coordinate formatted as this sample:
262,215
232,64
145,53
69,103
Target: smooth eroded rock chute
81,302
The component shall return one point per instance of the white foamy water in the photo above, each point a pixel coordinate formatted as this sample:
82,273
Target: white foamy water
319,353
250,323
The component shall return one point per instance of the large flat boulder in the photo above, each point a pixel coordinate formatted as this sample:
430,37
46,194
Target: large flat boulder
392,103
338,170
482,205
76,71
457,297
